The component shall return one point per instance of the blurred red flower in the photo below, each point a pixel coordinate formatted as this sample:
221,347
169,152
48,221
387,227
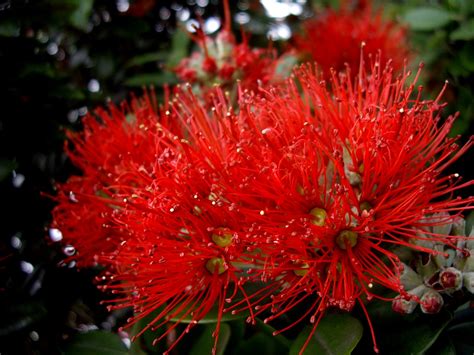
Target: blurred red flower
334,38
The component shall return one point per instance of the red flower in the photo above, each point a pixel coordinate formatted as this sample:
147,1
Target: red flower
334,38
305,188
115,151
333,178
223,61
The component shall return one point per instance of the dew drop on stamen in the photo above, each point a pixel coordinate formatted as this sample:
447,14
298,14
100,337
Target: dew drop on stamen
55,235
69,250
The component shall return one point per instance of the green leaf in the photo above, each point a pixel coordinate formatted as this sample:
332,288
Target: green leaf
6,167
260,344
405,334
179,47
237,329
466,59
147,58
96,343
469,222
336,334
210,317
205,342
465,32
269,330
19,316
461,336
427,18
442,346
144,343
80,16
9,28
157,79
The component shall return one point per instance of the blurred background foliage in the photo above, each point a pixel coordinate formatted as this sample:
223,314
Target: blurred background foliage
61,58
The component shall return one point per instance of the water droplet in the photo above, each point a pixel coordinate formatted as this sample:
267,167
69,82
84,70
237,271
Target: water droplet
72,197
16,242
52,48
26,267
55,235
93,85
69,250
34,336
123,5
18,179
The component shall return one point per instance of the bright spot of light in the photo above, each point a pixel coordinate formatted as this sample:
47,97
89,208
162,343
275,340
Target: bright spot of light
123,5
165,13
183,15
26,267
191,25
282,9
242,17
212,24
18,179
52,48
202,3
55,234
93,85
279,31
34,336
15,242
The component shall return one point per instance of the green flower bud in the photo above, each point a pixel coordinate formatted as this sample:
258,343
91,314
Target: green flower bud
409,278
302,269
468,280
318,216
346,238
222,237
216,265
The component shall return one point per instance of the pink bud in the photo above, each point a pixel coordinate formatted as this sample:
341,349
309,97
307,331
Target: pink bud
403,306
451,279
431,302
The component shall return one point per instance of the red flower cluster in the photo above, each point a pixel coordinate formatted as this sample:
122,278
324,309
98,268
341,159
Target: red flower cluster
222,61
333,39
303,190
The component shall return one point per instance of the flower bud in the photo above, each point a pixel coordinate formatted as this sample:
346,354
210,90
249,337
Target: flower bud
445,258
346,238
443,223
409,278
216,265
222,237
459,227
431,302
426,266
451,279
407,304
422,240
318,216
469,262
470,241
403,306
468,280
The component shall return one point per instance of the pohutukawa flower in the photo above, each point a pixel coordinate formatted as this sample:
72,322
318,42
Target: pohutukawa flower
223,61
334,37
115,151
342,174
306,188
